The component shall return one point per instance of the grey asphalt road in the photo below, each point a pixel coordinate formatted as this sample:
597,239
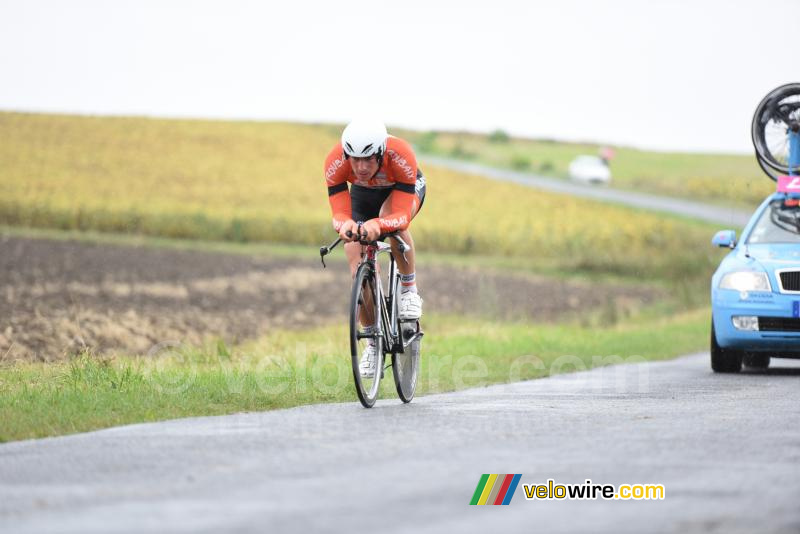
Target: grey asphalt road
729,217
726,448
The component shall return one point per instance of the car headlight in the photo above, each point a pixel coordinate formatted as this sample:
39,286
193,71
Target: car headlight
746,281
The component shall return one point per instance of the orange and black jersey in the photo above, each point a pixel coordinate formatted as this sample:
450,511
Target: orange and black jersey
398,171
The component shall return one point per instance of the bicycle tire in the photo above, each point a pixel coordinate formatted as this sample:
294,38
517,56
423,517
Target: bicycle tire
405,368
769,130
769,171
366,389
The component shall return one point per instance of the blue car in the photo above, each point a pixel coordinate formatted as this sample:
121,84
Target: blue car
755,292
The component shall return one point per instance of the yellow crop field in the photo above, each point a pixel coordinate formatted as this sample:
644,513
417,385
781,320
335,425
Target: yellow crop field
198,179
259,181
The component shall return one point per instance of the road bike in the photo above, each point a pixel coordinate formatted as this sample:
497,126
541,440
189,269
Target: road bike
371,304
776,131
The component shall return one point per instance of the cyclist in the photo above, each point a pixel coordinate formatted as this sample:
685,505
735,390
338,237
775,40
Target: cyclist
386,192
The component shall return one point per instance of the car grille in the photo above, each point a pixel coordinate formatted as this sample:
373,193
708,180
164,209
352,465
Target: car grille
790,280
778,324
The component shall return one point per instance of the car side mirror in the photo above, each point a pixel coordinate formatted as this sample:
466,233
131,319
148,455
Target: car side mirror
725,238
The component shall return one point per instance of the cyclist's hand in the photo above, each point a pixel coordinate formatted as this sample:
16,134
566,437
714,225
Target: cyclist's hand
349,226
372,230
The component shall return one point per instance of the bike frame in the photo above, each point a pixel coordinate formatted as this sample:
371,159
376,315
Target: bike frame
389,317
388,303
393,334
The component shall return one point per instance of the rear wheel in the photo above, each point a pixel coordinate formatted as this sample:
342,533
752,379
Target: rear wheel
776,117
364,303
724,360
405,365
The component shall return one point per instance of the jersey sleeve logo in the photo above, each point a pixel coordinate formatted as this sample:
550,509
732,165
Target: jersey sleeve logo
332,168
394,222
402,163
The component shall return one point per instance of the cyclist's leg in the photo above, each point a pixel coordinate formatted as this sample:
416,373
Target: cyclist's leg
407,265
353,253
410,301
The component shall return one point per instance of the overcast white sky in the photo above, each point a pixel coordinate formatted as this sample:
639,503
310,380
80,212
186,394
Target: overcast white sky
683,75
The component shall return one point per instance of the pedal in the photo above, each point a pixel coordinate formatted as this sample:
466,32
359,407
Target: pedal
412,325
409,328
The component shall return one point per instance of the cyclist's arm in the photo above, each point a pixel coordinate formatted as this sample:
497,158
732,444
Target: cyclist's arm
340,206
336,173
402,202
401,205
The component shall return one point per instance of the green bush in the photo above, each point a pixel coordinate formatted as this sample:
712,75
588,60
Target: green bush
520,162
498,136
458,151
427,141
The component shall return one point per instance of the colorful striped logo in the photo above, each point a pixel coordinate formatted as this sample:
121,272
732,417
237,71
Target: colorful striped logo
495,489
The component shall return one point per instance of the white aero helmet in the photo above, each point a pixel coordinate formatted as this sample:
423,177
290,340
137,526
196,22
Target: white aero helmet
364,138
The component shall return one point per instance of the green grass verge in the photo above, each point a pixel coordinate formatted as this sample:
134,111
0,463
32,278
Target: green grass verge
290,368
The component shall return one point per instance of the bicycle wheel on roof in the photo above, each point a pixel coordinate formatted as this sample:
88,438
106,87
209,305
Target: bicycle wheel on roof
775,131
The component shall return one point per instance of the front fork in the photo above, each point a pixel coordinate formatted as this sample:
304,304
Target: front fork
388,311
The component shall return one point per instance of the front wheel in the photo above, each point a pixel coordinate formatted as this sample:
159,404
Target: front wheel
724,360
756,360
365,308
405,365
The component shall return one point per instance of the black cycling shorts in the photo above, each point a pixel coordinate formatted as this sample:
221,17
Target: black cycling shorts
366,202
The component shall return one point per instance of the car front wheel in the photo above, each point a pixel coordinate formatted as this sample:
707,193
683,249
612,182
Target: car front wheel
756,360
724,360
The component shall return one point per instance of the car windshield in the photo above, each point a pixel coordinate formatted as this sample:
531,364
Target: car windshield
777,224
